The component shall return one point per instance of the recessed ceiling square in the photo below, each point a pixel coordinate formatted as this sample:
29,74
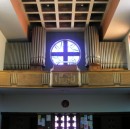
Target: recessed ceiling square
65,7
64,0
50,24
80,16
101,0
33,17
30,7
28,0
65,24
49,16
97,24
96,16
99,7
82,0
46,0
48,7
79,24
33,24
82,7
65,16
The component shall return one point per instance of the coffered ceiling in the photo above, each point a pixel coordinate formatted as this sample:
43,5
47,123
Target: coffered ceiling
64,14
113,16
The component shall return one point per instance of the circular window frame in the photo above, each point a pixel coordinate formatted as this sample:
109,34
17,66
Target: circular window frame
63,52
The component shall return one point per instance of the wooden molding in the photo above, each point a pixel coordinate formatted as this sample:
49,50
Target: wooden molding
86,79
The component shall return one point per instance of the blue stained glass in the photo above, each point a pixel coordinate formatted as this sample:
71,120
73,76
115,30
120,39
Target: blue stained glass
65,52
58,47
72,47
58,60
73,59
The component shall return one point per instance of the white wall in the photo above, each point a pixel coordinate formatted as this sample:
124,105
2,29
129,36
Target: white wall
2,50
78,103
127,42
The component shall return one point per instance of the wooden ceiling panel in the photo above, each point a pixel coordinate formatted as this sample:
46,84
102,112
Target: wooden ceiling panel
59,14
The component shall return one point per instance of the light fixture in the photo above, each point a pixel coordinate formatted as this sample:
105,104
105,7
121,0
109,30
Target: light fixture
82,5
48,5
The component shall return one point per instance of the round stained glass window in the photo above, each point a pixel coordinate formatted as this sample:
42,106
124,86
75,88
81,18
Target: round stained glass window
65,51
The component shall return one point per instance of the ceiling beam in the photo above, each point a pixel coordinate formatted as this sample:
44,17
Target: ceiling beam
21,15
109,15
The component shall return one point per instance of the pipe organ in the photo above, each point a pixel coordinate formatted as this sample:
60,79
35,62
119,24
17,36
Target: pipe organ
38,48
92,54
21,55
107,54
17,56
113,55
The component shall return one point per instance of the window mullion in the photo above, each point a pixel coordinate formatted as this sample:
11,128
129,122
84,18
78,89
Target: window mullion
65,51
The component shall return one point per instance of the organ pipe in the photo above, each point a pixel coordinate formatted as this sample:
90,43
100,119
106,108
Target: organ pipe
38,46
20,55
92,54
113,55
17,55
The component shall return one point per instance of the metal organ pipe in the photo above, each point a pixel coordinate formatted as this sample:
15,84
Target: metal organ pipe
38,46
17,55
20,55
108,54
92,44
113,55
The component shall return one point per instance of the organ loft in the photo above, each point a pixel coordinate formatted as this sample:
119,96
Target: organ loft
98,56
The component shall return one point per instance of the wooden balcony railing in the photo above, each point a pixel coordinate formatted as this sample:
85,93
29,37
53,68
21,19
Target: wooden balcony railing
39,79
